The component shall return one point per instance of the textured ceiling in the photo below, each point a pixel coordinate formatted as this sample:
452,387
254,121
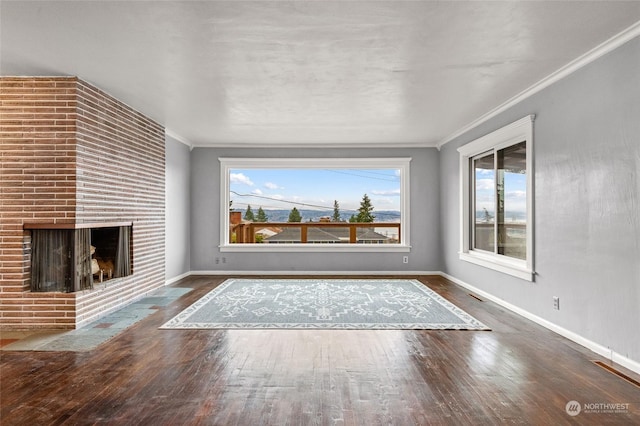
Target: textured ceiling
329,73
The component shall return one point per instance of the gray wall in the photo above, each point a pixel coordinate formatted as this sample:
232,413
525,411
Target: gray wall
178,208
205,232
587,204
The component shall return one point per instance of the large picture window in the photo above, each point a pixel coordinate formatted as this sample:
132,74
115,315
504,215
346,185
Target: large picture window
497,200
315,204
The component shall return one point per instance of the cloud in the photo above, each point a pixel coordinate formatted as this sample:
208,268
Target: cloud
384,202
271,185
256,192
240,178
387,192
484,171
484,184
516,194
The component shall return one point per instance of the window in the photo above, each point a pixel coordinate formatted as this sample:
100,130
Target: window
496,193
313,204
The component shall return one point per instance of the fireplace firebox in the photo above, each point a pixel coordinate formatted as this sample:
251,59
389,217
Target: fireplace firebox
68,258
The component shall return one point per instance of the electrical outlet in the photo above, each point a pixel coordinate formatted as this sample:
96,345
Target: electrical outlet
556,303
405,259
224,260
217,260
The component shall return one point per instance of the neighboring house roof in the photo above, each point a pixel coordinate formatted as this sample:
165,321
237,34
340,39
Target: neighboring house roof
370,235
267,232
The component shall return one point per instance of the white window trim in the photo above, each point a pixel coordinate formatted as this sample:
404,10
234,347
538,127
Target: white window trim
401,163
516,132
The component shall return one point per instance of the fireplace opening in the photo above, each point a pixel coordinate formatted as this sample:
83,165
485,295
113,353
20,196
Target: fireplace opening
68,260
104,243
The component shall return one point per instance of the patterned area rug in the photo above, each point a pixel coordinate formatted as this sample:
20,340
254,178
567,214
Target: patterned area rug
376,304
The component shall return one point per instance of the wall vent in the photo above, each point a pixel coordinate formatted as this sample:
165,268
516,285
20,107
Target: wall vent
620,374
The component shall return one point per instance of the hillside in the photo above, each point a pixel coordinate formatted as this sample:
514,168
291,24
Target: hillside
315,215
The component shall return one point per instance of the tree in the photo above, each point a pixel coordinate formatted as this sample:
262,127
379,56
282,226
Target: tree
364,212
248,215
336,212
295,216
487,215
262,216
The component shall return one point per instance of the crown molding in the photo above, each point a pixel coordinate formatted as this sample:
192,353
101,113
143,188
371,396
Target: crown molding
597,52
179,138
318,145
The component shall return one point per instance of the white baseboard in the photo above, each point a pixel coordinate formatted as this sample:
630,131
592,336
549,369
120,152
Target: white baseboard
625,362
589,344
219,272
178,278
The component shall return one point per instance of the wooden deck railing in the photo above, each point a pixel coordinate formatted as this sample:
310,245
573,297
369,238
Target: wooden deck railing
246,232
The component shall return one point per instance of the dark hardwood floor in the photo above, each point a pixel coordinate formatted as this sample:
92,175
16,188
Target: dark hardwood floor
518,373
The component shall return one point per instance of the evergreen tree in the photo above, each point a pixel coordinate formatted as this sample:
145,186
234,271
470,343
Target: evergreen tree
487,215
262,216
364,212
295,216
336,212
248,215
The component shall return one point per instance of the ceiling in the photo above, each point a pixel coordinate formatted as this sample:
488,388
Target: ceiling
307,73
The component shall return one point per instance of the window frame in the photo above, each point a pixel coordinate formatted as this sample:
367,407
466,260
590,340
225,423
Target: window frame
401,163
511,134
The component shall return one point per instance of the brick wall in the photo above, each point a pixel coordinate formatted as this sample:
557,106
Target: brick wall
70,153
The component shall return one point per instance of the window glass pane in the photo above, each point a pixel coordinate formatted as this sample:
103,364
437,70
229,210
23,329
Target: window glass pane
512,201
325,204
484,203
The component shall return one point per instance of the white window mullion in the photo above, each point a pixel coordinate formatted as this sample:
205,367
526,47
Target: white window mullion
496,203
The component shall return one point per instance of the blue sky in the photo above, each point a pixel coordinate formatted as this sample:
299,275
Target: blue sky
515,192
314,188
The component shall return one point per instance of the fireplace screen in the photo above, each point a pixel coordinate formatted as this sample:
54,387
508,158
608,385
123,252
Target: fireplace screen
70,260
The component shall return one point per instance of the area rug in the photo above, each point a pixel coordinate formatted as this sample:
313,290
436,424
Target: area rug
373,304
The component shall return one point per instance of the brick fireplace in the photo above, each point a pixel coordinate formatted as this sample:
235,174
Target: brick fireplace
74,157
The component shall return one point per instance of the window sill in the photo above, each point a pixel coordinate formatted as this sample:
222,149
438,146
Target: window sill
315,248
497,264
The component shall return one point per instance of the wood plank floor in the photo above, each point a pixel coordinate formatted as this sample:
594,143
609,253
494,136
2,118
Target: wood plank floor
518,373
